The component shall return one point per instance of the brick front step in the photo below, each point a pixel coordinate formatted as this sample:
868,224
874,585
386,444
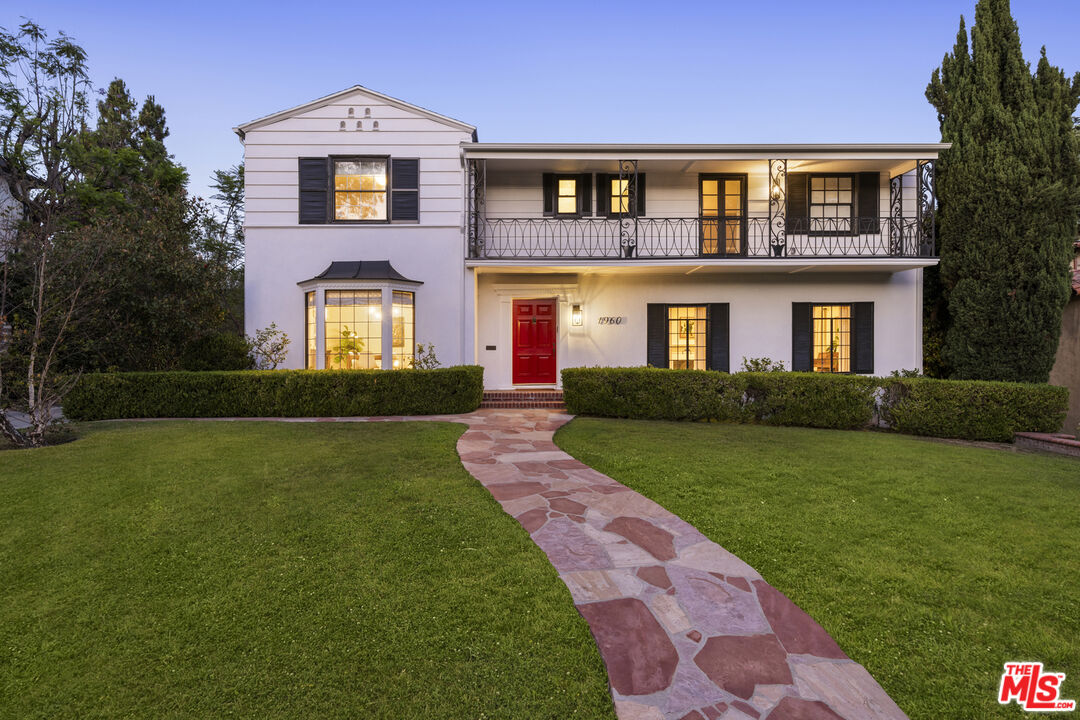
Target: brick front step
505,399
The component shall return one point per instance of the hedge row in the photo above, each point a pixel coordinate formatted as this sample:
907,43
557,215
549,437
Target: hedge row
275,393
970,410
973,410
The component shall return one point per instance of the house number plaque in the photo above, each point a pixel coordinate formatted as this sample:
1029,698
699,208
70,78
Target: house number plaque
610,320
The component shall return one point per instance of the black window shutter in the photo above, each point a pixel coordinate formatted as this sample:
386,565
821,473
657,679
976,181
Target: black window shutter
640,194
798,203
719,345
656,343
603,194
862,344
869,197
404,189
801,340
314,186
549,194
584,184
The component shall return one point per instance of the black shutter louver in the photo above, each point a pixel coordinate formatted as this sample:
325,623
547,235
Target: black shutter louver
549,194
404,189
603,194
862,341
585,193
798,203
801,340
314,187
656,335
719,344
869,198
640,195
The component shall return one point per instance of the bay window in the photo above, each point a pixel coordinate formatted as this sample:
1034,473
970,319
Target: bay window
353,329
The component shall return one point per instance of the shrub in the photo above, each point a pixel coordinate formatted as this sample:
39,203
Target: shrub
276,393
763,364
652,393
970,409
843,402
221,351
973,409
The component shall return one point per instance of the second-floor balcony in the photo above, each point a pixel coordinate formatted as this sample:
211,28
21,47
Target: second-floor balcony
587,203
701,237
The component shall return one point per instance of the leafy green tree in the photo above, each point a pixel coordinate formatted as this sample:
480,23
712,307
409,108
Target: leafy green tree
1009,190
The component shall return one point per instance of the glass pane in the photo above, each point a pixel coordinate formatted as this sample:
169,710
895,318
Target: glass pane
817,183
403,330
567,205
568,187
373,205
733,187
709,187
830,196
353,324
815,211
844,197
845,183
818,196
830,183
708,204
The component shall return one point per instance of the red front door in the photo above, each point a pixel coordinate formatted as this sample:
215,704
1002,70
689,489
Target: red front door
534,341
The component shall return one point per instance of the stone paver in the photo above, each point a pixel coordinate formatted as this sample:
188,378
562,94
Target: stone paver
686,629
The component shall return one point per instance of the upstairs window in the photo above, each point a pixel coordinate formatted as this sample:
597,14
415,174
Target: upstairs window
566,202
832,203
360,189
620,196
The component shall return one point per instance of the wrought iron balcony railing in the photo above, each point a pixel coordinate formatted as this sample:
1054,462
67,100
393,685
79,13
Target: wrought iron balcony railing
708,238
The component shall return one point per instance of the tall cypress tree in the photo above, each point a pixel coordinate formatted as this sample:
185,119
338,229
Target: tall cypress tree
1009,190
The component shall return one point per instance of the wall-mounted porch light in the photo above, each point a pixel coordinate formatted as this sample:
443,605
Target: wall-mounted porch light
775,191
575,315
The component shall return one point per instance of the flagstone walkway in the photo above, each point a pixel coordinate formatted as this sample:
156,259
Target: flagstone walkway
687,630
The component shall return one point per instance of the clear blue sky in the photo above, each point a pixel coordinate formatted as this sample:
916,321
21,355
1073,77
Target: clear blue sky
746,71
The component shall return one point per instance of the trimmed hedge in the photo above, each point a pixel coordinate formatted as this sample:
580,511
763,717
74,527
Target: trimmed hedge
967,409
653,394
973,409
276,393
843,402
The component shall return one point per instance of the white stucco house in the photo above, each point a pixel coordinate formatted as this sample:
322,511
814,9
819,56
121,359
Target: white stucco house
373,224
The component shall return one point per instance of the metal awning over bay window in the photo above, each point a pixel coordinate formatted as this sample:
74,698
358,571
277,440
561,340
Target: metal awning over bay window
359,315
707,202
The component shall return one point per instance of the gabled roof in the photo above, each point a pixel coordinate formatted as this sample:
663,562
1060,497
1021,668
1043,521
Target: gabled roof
361,270
401,104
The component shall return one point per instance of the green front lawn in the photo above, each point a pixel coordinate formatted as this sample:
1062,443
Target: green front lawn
932,564
271,570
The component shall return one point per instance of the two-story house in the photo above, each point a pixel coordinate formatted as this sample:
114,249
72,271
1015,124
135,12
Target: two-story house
373,224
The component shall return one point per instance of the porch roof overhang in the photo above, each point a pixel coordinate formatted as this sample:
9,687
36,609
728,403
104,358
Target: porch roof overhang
690,151
698,266
364,270
894,158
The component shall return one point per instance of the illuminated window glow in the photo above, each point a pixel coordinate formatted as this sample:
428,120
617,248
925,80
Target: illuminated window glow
360,189
722,215
403,329
567,200
832,338
353,329
620,196
687,331
309,330
832,204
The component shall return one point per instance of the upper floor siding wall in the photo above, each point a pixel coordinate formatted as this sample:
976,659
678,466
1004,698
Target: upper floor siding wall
271,154
670,195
